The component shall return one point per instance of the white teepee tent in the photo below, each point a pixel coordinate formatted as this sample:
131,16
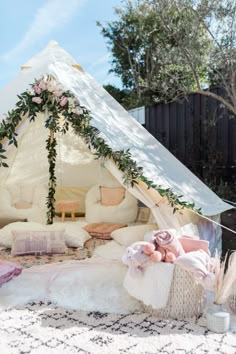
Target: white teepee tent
76,166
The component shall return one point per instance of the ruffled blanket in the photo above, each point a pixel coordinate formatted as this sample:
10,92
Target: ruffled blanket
8,270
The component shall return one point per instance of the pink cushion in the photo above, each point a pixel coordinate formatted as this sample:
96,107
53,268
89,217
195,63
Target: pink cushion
22,204
189,244
37,242
102,230
112,196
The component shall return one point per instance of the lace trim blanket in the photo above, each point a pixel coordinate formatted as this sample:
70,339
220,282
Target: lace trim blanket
153,286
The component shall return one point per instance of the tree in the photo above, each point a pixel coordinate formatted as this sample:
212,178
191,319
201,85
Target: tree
167,48
147,58
218,19
127,98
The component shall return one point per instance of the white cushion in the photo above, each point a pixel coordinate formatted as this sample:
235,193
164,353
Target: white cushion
5,197
131,234
21,192
26,193
14,192
40,195
6,232
74,235
111,250
125,212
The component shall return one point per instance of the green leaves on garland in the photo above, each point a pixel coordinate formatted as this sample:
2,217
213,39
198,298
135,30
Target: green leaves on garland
62,109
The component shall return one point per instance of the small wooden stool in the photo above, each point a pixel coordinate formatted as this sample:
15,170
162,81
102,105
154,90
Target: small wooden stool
67,206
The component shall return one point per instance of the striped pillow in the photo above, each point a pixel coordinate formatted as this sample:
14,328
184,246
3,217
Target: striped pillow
37,242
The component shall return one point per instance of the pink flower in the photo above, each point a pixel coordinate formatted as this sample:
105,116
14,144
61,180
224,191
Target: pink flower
63,101
58,92
37,100
37,89
42,85
52,86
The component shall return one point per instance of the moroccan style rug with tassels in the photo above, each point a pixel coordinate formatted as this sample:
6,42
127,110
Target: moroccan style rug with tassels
47,329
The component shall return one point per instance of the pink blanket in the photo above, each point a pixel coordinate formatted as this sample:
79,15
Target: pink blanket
167,239
8,270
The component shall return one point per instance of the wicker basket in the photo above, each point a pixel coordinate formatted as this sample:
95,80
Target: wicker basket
186,298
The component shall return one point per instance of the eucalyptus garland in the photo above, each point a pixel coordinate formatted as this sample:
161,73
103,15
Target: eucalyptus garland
48,96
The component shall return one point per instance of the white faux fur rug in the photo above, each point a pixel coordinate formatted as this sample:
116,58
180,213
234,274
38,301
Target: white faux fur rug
93,284
40,328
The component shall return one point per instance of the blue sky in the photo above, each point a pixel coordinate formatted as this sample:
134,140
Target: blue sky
27,26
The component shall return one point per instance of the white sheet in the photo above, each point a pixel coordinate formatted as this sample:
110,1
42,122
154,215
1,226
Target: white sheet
153,286
91,285
111,250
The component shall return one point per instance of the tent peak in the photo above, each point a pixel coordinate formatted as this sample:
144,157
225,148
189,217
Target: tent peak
52,53
52,43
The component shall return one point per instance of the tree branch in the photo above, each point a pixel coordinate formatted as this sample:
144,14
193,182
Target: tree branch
218,98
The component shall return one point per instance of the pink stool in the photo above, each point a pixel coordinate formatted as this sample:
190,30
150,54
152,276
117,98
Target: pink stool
67,206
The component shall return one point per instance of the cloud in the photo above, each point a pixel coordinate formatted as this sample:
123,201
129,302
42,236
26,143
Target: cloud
99,62
54,14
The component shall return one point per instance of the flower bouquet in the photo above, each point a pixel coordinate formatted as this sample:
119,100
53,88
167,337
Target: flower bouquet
218,320
225,277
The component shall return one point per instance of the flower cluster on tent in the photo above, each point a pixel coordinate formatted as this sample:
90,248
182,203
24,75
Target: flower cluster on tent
64,109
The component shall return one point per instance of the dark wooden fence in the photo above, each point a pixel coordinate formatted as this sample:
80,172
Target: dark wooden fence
199,132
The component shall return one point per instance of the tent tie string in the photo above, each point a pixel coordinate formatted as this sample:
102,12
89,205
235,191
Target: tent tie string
203,216
215,222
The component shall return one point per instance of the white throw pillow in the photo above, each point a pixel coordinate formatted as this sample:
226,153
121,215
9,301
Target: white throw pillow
111,250
74,235
6,232
26,193
131,234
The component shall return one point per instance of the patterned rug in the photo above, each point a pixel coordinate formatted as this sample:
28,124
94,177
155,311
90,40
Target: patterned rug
47,329
75,254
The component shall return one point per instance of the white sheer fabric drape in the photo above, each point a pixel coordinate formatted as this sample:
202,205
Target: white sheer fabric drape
163,213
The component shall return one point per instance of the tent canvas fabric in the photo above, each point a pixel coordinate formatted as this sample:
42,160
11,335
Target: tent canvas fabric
28,163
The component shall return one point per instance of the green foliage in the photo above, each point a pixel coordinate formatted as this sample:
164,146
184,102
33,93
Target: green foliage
48,96
51,144
127,98
147,42
164,49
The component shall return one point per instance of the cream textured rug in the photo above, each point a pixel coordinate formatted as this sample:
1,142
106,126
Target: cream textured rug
47,329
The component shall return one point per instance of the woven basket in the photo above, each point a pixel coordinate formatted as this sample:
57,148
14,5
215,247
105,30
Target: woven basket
186,298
